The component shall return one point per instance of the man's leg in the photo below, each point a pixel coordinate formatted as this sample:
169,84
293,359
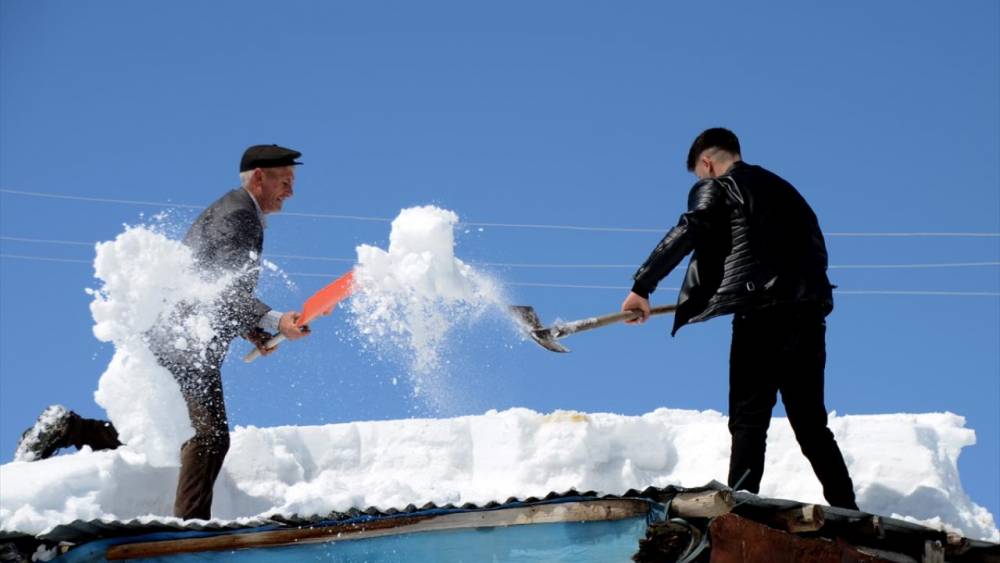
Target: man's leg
58,427
203,454
98,434
802,394
752,394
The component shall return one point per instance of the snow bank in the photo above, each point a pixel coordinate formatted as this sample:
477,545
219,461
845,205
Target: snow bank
412,295
145,275
902,464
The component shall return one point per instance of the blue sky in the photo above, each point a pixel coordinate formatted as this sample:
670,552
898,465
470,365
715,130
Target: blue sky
885,115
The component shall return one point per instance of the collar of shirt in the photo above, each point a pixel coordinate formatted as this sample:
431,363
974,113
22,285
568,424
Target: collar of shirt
260,213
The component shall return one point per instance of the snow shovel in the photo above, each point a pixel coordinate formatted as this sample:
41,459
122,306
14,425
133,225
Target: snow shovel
321,303
548,338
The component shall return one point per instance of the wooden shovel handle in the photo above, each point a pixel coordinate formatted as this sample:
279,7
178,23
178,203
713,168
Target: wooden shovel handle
597,322
255,353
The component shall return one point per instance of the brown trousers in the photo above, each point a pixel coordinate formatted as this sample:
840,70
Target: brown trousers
203,454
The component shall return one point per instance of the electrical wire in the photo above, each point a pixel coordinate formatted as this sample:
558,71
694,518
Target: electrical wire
584,286
554,266
482,224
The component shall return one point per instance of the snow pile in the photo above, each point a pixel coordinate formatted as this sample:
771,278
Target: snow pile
411,296
902,464
145,275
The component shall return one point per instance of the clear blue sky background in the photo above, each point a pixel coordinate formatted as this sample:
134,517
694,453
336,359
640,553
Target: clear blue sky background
883,114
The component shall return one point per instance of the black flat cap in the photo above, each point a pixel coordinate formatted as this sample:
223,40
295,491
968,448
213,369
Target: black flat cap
268,156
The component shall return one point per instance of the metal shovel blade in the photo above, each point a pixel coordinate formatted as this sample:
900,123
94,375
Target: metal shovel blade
529,321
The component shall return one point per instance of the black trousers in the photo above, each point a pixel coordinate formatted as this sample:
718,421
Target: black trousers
782,349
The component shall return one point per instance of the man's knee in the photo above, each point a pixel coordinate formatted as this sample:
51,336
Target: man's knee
811,432
749,425
211,442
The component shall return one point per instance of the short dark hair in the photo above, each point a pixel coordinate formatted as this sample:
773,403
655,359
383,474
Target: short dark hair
714,138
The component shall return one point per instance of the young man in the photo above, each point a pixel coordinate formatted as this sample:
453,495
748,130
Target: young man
758,254
226,238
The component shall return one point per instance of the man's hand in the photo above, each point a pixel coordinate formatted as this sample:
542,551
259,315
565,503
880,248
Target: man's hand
635,302
259,338
288,327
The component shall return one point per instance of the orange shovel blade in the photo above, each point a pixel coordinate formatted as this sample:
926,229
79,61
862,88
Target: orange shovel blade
324,300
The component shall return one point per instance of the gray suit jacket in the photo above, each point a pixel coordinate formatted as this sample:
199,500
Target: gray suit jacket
228,237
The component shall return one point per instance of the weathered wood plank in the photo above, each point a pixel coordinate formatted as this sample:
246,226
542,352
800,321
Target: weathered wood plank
704,504
805,518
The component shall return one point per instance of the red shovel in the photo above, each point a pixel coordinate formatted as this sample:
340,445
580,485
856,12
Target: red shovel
321,303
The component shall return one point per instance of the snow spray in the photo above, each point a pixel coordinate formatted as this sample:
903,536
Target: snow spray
144,276
410,297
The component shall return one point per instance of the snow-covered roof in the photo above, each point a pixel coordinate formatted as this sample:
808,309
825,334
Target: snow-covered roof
149,537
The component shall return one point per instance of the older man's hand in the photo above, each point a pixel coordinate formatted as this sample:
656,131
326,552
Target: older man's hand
259,338
635,302
288,327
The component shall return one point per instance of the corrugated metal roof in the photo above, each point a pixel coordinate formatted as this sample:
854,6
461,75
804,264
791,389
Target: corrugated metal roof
82,531
853,525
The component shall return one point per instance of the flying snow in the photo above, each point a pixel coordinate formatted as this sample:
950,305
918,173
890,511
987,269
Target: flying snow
144,277
413,295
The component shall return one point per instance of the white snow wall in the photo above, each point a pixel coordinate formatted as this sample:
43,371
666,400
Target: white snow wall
902,464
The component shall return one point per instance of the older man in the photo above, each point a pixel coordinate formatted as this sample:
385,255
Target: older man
226,240
759,255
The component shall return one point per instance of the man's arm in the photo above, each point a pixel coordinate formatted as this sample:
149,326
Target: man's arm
706,208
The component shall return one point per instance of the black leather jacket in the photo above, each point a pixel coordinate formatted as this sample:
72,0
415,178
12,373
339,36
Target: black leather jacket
756,243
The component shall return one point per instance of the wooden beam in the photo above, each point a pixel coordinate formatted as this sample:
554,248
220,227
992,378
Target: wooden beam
933,552
704,504
805,518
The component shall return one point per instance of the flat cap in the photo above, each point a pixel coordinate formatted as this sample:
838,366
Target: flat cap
268,156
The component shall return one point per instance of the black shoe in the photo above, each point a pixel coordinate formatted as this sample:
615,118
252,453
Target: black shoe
47,435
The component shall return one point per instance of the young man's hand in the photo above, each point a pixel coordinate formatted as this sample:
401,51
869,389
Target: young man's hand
288,327
635,302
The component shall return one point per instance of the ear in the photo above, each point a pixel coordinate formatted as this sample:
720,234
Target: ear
709,165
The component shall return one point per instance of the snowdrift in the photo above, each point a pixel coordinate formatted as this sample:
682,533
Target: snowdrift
902,464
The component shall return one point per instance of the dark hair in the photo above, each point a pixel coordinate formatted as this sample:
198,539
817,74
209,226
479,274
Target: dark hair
714,138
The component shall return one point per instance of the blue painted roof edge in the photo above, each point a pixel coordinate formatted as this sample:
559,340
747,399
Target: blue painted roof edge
95,550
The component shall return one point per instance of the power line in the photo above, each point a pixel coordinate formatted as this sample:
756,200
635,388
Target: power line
101,199
49,241
45,259
585,286
556,266
912,266
319,258
659,230
628,287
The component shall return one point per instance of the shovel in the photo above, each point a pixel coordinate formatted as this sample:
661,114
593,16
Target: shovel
320,303
548,338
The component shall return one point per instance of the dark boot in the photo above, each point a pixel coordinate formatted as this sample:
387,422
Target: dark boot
47,435
59,428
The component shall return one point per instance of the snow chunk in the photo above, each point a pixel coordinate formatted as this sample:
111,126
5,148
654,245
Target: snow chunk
413,294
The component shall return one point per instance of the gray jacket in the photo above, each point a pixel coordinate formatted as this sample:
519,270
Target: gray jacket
228,236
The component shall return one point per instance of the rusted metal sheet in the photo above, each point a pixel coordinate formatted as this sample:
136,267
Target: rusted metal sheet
738,540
